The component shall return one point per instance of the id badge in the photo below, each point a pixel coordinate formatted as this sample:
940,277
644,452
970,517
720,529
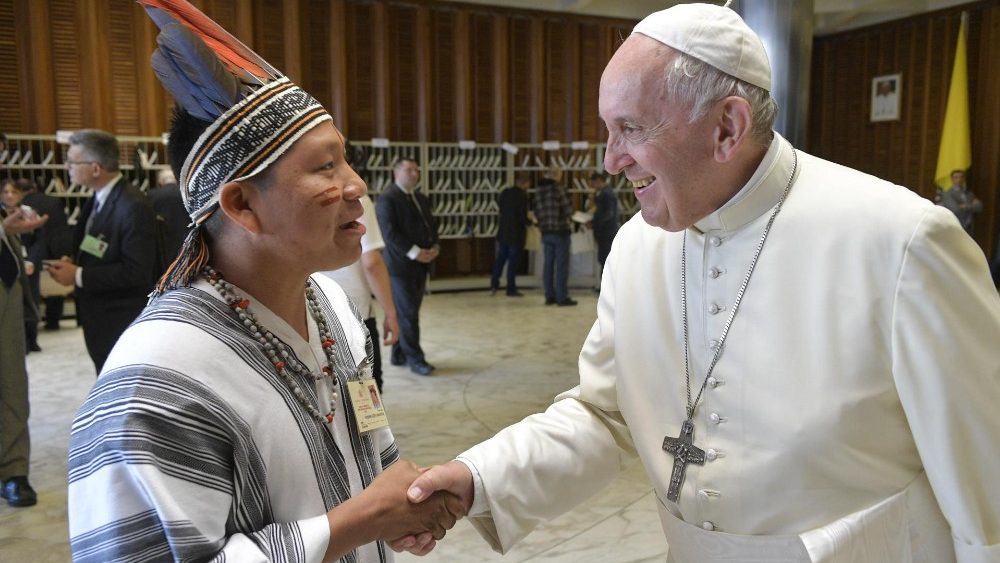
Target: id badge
367,404
93,246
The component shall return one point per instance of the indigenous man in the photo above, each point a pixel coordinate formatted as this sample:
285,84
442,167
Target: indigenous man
787,360
232,420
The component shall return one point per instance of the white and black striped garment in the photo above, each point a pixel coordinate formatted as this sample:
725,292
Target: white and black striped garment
191,447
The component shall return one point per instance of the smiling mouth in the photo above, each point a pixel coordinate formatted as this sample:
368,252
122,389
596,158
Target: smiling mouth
643,182
350,225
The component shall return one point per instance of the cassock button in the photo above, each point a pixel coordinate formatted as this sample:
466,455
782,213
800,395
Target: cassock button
706,525
714,418
714,308
711,454
713,344
714,273
712,381
715,241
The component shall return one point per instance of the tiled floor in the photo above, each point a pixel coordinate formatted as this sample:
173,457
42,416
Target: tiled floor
499,359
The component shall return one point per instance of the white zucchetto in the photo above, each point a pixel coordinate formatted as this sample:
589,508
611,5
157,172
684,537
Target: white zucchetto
712,34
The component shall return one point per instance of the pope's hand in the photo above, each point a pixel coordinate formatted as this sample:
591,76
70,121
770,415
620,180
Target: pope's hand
453,477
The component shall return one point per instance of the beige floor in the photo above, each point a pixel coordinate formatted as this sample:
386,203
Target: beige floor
499,359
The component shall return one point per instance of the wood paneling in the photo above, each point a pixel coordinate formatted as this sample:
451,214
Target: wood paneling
411,70
922,49
403,76
360,79
10,90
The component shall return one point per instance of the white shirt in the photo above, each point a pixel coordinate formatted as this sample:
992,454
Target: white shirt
352,278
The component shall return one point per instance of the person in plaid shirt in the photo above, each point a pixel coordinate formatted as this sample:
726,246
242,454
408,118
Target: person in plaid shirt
553,210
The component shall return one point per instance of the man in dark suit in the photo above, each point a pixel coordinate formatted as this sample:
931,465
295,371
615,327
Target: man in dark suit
49,242
15,445
605,221
513,203
115,265
411,244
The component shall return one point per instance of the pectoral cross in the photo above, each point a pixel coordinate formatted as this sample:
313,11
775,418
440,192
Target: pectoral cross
684,452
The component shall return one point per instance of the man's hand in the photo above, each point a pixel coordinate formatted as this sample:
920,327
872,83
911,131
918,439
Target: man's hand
426,255
383,512
19,222
390,330
454,478
63,271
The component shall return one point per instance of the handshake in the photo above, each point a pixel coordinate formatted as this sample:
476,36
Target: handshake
408,507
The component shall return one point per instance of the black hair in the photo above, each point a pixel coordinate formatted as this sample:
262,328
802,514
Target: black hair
184,132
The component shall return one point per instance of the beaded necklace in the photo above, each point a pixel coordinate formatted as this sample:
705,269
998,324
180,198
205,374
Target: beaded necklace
277,352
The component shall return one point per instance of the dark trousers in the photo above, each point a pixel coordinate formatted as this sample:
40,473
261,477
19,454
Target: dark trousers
555,273
15,444
408,293
506,254
372,325
603,248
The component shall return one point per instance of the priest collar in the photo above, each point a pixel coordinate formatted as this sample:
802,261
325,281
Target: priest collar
760,194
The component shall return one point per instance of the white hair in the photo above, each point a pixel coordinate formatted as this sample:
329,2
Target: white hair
700,85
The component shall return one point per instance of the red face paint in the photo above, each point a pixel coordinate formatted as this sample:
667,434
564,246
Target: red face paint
328,197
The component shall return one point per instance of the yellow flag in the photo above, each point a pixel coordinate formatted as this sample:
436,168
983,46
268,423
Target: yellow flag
955,152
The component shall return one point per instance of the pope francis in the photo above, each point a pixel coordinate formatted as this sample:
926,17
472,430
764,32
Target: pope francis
804,357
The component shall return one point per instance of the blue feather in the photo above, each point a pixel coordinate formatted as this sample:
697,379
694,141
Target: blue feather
200,64
190,71
185,93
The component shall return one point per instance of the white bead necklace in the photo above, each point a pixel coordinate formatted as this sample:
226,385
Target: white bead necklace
277,352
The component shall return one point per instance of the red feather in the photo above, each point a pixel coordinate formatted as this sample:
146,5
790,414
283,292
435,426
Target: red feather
233,53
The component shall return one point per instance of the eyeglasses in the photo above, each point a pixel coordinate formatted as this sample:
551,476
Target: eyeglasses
75,162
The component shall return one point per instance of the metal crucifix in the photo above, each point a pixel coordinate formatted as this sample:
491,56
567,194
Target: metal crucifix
684,452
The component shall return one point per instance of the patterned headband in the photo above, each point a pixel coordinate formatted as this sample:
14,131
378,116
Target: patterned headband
245,140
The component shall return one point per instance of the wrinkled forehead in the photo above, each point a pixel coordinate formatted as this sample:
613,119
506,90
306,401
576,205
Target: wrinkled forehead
638,67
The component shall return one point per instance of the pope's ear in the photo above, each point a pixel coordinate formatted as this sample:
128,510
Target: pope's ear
733,128
235,200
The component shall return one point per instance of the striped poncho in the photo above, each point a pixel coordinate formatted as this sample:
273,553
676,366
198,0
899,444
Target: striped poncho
191,447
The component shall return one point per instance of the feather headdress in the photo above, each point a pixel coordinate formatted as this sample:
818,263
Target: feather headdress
256,114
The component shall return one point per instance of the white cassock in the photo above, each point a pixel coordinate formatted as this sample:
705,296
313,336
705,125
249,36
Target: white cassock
854,413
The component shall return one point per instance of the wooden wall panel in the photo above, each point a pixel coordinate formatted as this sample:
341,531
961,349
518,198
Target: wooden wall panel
412,70
594,48
269,32
558,71
66,65
483,76
922,49
360,70
403,97
11,101
444,107
315,74
124,70
523,90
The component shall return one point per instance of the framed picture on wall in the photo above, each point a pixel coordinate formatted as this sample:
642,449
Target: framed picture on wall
885,97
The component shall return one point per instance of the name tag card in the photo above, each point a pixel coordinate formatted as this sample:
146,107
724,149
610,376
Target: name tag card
367,404
93,246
